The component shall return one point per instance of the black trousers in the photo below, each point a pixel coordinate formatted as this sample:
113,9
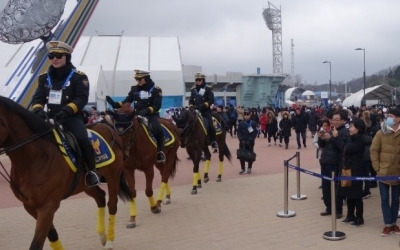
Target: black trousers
211,129
75,125
157,130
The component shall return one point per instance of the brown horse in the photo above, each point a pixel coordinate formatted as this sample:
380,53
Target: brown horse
140,153
41,178
194,139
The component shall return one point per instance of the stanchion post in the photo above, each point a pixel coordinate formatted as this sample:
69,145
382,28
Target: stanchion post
333,235
285,213
298,196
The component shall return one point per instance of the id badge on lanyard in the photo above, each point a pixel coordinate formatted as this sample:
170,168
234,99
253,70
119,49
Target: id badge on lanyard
144,95
250,129
55,96
202,91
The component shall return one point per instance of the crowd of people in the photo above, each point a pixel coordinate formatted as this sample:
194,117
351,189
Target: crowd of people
349,141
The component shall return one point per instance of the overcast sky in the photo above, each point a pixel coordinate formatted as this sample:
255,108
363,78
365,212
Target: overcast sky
231,35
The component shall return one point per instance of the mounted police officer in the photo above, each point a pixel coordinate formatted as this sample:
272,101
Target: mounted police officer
147,99
65,91
202,98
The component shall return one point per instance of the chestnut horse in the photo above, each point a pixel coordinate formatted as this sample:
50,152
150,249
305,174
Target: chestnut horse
194,139
140,154
41,177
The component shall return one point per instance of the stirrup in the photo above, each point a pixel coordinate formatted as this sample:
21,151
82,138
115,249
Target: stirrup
214,145
91,179
160,156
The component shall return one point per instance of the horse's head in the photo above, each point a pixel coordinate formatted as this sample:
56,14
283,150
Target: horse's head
122,118
185,122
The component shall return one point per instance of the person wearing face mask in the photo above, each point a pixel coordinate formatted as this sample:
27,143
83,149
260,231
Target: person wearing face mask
385,159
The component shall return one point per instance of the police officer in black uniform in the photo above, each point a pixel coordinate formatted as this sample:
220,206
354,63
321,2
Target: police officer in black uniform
147,99
247,133
65,91
202,98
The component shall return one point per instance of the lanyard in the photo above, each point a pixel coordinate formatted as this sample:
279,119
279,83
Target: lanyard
49,83
248,124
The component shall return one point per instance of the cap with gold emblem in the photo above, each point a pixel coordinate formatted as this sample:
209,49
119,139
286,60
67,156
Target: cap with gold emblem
141,73
58,47
199,75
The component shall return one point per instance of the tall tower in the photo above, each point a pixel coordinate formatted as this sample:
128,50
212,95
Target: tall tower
272,17
292,65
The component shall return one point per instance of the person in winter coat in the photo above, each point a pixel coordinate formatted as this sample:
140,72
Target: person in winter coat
385,158
247,133
330,158
312,122
285,127
263,122
299,121
232,121
272,127
352,153
201,98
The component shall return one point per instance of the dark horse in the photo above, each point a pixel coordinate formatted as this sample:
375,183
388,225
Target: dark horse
194,138
41,178
140,153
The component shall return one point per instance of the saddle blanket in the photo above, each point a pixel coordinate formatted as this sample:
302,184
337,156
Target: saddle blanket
103,152
168,136
216,124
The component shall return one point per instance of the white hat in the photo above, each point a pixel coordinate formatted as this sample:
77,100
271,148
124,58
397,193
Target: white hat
59,47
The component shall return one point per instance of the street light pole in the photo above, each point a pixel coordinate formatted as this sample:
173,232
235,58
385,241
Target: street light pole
330,78
363,49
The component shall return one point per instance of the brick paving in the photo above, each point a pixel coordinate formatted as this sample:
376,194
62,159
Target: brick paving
238,213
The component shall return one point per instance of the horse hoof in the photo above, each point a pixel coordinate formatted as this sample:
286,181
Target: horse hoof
206,179
109,245
167,201
156,210
199,185
194,191
103,239
131,224
218,180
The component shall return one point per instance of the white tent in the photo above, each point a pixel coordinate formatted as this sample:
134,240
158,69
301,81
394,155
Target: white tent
382,93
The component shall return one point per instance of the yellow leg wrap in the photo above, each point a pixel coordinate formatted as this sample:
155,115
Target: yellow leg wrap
100,228
111,228
132,208
160,195
207,166
196,177
221,168
56,245
151,201
167,189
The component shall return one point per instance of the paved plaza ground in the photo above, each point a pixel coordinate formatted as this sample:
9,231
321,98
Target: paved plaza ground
238,213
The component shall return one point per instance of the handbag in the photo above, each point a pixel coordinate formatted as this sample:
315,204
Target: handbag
346,172
246,154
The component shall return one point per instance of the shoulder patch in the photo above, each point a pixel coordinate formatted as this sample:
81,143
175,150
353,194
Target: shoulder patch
43,73
85,82
157,87
80,72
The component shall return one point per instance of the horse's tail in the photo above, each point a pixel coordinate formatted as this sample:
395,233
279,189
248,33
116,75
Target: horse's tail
173,169
227,152
124,192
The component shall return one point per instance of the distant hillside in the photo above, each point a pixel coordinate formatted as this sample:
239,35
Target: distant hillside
390,76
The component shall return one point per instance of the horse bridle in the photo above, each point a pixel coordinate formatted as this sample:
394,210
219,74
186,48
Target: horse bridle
23,142
7,176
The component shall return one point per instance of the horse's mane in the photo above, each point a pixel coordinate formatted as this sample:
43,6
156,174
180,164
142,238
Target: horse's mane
34,122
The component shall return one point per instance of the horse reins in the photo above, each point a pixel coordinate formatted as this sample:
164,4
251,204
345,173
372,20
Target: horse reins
7,176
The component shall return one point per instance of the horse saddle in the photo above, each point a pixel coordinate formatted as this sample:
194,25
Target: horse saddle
216,124
168,136
71,150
